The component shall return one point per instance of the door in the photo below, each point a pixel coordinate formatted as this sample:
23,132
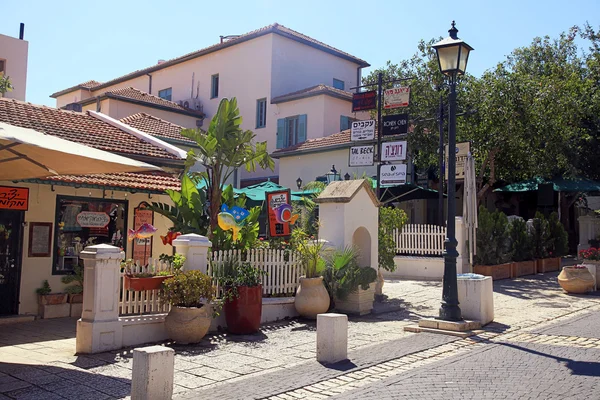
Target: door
10,261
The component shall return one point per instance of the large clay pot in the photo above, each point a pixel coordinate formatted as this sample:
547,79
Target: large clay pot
311,298
576,280
243,313
188,324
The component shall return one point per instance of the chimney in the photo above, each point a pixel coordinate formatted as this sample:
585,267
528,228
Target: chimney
160,62
21,31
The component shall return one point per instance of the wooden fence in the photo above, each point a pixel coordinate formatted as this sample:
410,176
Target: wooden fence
143,302
424,240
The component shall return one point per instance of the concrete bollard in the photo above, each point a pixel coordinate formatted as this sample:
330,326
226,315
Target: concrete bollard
153,369
332,337
476,297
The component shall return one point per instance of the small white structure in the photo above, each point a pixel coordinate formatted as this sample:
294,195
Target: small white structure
195,249
589,229
476,297
332,338
152,373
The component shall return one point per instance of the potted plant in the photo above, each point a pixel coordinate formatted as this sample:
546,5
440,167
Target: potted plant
311,297
190,294
493,246
51,305
348,283
576,279
591,260
242,297
521,249
147,279
75,290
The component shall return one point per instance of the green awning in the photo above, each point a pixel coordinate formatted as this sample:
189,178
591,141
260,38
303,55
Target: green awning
559,185
259,191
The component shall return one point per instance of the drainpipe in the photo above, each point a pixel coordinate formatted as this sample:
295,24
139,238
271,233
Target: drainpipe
149,83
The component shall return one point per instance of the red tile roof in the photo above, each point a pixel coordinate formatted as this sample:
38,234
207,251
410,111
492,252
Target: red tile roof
85,85
156,182
79,127
274,28
341,139
313,91
130,93
156,127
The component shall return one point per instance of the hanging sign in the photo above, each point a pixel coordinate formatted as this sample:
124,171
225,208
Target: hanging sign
461,151
142,247
93,219
392,174
362,130
361,156
364,101
396,97
393,151
394,124
14,198
277,203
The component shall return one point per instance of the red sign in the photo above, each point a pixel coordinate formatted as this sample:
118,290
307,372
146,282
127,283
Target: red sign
364,101
142,248
274,201
396,97
14,198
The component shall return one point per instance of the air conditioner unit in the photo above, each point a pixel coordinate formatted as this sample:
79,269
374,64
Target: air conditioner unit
191,104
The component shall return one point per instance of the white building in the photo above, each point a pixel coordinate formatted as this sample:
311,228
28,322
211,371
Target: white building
289,87
13,63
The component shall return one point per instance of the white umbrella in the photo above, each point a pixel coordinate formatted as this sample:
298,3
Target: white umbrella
470,206
28,154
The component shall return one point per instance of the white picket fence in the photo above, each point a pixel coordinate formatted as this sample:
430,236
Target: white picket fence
417,239
282,277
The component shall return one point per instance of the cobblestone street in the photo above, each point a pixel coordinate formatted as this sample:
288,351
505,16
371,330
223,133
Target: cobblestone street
37,360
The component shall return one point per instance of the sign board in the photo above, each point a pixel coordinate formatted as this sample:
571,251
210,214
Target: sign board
14,198
361,156
362,130
394,124
396,97
393,151
461,151
93,219
142,248
274,201
392,174
40,239
364,101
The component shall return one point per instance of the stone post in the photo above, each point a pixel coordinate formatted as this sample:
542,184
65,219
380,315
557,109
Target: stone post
99,328
462,261
194,248
153,373
332,337
589,227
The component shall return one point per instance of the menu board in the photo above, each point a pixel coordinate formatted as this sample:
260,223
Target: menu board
142,248
40,237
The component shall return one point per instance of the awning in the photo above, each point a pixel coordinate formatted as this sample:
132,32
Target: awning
407,192
559,185
257,193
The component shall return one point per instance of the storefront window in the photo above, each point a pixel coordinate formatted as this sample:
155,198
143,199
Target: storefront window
82,222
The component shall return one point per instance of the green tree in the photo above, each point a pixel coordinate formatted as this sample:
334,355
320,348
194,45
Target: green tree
389,219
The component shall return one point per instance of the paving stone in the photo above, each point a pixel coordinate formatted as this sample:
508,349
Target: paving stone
33,393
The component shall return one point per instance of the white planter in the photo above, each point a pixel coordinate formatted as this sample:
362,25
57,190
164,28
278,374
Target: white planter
358,302
476,297
594,268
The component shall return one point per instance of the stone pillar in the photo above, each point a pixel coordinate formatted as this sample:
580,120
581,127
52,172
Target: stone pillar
476,297
332,337
462,261
99,328
588,229
152,373
194,248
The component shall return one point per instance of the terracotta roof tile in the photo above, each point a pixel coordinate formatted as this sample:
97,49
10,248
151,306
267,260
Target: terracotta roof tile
313,91
130,93
85,85
78,127
156,127
89,84
337,139
150,181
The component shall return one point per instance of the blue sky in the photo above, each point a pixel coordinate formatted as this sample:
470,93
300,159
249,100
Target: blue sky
75,41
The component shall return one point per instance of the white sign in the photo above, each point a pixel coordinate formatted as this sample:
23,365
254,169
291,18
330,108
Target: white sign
363,130
462,149
396,97
91,219
393,151
361,156
392,174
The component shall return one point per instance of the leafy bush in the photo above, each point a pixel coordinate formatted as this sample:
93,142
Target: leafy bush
558,235
309,251
343,275
540,236
45,289
521,243
389,219
493,244
77,278
188,289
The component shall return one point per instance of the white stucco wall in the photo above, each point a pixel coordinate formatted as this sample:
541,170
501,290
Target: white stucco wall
14,52
73,97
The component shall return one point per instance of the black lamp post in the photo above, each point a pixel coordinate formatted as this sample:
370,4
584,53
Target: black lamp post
299,183
452,54
347,176
332,175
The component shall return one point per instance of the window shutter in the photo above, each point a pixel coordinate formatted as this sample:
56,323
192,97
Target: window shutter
344,123
280,133
302,128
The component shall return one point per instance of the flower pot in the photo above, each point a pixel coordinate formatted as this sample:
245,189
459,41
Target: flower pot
359,302
548,265
188,324
76,298
52,298
497,272
522,268
576,280
243,313
140,284
311,298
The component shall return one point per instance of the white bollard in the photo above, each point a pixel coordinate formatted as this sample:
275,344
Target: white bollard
332,337
153,369
476,297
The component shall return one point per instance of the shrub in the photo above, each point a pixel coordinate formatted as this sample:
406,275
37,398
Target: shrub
540,233
521,244
559,245
389,219
309,251
77,278
188,289
493,244
44,290
343,275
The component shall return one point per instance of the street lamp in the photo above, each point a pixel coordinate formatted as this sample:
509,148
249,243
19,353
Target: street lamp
299,183
332,175
452,54
347,176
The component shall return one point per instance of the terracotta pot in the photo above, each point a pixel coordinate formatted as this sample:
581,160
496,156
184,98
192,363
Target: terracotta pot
188,324
52,298
76,298
311,298
243,313
141,284
548,265
497,272
522,268
576,280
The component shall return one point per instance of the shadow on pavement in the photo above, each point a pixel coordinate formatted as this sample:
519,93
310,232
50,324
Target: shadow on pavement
530,287
345,365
